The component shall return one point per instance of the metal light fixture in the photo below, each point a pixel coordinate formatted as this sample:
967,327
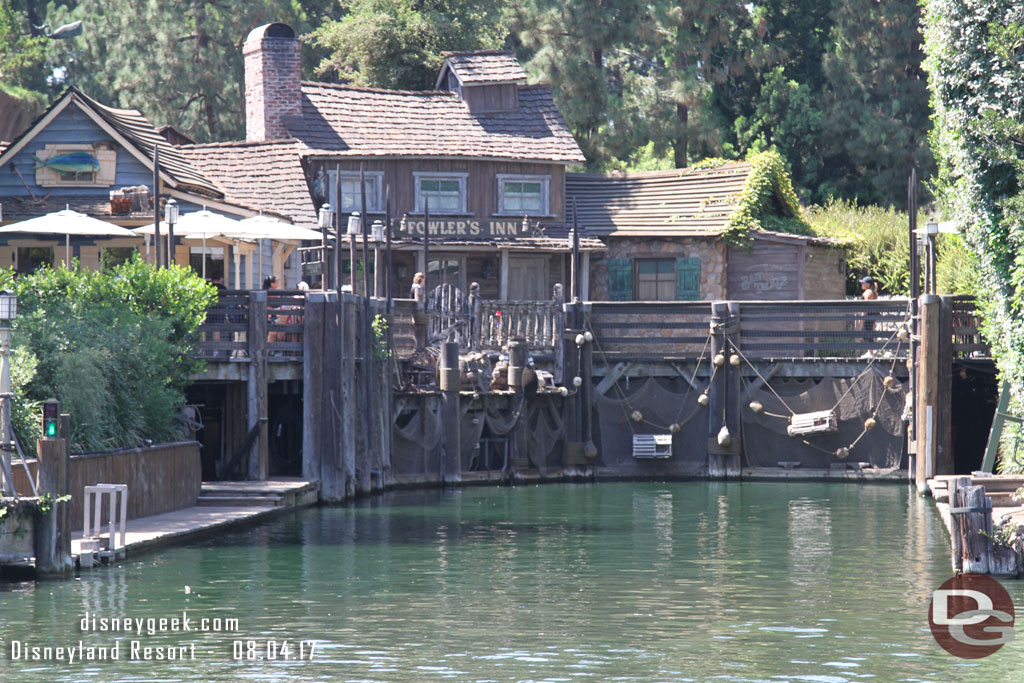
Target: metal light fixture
572,237
326,218
377,232
354,225
8,308
171,212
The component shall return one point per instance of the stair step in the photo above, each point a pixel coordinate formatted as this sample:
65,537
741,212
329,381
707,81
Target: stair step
237,501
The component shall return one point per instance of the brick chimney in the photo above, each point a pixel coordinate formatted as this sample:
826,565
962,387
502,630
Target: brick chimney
272,81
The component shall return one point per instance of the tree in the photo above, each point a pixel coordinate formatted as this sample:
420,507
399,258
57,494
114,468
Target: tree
975,64
180,63
877,110
398,43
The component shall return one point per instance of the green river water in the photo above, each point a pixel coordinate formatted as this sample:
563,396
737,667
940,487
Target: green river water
589,582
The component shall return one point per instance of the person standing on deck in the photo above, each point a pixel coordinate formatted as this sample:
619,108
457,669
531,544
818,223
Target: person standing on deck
419,294
869,287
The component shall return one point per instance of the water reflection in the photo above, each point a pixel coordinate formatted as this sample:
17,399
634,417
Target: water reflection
739,582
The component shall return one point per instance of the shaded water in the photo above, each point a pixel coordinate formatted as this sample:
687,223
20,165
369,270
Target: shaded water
615,581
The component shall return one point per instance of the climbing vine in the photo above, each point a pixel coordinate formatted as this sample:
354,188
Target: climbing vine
975,60
768,201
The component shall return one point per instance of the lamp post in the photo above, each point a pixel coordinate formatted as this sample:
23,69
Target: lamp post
354,228
8,312
377,237
931,229
171,218
326,222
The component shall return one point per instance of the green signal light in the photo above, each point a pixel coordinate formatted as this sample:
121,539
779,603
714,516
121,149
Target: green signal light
51,430
51,419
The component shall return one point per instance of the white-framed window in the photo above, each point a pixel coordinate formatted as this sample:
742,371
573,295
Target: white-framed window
523,194
75,165
446,191
351,197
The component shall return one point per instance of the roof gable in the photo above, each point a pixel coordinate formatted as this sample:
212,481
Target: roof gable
483,67
131,130
340,120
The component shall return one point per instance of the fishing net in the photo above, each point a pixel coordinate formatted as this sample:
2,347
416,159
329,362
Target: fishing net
661,402
417,436
766,442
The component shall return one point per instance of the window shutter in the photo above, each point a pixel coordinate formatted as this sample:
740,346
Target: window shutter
688,279
620,279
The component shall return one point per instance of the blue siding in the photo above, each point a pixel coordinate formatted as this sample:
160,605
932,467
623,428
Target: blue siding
72,126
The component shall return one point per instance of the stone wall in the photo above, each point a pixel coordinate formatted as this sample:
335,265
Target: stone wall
711,252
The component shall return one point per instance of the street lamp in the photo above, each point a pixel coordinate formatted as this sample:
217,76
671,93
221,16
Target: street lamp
931,229
8,312
171,218
326,222
355,227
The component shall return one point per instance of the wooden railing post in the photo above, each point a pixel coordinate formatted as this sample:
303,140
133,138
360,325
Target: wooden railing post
313,384
723,439
557,325
944,390
257,385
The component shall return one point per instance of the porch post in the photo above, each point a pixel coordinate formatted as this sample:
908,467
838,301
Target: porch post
503,276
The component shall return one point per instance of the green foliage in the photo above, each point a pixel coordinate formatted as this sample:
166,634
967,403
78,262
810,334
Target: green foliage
114,347
20,53
398,43
380,337
877,242
975,73
767,202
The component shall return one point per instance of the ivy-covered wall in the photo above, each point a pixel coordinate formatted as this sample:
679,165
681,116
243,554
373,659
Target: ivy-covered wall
975,60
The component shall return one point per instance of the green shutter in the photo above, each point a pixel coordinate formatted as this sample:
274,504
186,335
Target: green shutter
687,279
620,279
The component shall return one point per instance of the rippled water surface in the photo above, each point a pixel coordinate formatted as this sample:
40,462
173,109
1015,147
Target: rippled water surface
614,581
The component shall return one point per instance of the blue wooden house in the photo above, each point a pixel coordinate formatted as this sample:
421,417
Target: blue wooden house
98,160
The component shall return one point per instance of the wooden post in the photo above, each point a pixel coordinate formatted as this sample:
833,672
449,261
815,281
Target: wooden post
723,442
64,521
976,529
346,406
329,420
927,391
503,274
955,540
573,454
944,389
313,384
474,305
156,206
51,473
451,414
557,326
257,386
587,389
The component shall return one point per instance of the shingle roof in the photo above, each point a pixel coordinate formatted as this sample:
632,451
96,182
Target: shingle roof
490,66
262,175
679,202
145,138
349,121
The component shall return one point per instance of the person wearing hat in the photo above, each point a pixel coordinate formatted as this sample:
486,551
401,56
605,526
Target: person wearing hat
869,287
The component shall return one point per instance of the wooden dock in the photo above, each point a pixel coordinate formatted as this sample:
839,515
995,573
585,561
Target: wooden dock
219,506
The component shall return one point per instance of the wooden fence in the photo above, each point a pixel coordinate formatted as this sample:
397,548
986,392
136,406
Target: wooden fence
224,334
967,341
161,478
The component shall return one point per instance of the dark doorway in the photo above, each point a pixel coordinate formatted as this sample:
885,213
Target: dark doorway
284,405
975,393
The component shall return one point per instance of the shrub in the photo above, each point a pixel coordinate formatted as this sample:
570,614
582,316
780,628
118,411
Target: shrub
114,347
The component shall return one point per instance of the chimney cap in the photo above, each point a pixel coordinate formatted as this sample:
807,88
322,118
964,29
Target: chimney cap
275,30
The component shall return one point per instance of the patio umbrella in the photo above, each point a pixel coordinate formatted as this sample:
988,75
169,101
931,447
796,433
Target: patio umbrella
266,227
197,225
67,223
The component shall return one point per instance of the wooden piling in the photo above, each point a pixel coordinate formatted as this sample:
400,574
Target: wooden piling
312,384
955,531
573,453
927,391
51,477
975,529
723,447
587,389
347,332
257,386
944,389
450,382
64,521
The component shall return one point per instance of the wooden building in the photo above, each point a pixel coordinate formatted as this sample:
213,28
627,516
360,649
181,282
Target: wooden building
117,146
665,236
484,151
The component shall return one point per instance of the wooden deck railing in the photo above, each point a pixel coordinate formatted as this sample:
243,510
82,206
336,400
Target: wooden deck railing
967,340
223,335
539,323
764,329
